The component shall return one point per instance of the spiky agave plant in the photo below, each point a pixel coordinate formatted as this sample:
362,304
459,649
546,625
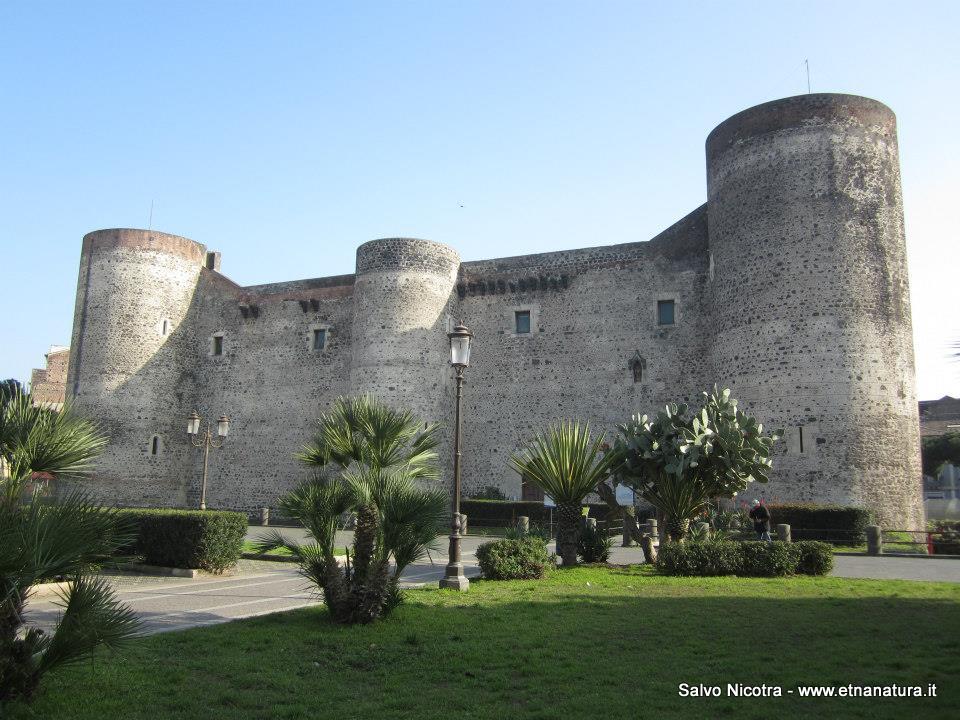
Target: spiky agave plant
370,460
42,538
568,464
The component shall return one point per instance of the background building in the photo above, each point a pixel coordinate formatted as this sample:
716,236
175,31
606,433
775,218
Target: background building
48,386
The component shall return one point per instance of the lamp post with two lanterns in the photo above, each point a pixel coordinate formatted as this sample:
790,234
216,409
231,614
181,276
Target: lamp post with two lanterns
206,441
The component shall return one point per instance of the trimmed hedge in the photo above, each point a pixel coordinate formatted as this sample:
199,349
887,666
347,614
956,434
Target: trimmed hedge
813,557
830,523
766,559
207,539
699,558
523,559
505,513
748,559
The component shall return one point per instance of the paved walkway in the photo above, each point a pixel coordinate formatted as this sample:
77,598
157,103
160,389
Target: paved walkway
255,588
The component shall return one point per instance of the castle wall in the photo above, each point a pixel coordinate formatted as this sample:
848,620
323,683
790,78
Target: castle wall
269,380
789,286
810,297
592,312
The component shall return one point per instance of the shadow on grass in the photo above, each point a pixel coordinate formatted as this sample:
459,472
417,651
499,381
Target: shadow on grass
544,650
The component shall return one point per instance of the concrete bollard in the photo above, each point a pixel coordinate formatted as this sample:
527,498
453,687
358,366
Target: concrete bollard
783,532
523,524
874,540
590,523
265,516
463,524
704,527
652,528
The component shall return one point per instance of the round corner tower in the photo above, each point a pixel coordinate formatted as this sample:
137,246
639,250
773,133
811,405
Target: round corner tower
403,299
811,303
132,358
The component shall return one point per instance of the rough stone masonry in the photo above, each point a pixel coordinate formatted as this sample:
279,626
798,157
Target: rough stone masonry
789,286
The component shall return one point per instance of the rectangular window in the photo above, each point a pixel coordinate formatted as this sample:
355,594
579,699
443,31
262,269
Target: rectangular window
319,339
218,344
155,445
665,312
522,318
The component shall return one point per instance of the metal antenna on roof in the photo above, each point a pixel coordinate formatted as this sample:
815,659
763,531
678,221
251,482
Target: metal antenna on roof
150,225
807,63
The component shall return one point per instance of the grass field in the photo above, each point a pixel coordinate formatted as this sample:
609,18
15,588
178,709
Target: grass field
585,643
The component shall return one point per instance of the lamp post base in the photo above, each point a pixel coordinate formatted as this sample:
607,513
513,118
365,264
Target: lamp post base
455,582
453,578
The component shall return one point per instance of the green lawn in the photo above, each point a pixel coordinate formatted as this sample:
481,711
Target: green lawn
586,643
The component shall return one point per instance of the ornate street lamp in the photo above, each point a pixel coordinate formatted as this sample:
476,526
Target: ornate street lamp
454,578
206,441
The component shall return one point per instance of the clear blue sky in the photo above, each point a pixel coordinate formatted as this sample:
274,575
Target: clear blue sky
285,134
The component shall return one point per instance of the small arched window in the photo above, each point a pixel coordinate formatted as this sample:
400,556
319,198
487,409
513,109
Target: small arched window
155,445
637,366
165,327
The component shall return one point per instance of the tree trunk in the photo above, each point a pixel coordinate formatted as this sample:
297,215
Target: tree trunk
649,551
364,539
567,523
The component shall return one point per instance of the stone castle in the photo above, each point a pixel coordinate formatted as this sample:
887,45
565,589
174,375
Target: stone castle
789,286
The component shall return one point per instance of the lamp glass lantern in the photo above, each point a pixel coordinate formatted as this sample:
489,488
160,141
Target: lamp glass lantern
223,426
193,423
460,346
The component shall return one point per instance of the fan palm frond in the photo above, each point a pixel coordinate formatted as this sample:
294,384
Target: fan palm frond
413,518
36,439
91,617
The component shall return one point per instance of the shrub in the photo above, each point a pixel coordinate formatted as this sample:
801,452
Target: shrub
830,523
946,541
594,545
699,558
207,539
813,558
749,559
523,559
490,492
767,559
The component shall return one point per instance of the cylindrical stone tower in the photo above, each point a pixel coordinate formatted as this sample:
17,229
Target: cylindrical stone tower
811,302
403,306
132,360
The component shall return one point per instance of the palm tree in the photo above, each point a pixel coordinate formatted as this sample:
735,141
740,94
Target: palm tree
568,465
369,460
42,539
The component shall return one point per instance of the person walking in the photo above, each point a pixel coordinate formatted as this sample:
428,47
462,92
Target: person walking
761,520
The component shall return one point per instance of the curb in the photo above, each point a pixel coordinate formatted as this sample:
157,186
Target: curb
138,569
268,558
